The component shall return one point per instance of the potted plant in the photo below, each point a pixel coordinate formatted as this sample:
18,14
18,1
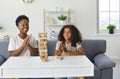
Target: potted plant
111,28
1,27
62,18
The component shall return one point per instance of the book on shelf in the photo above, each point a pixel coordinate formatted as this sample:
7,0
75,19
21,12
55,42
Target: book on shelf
49,20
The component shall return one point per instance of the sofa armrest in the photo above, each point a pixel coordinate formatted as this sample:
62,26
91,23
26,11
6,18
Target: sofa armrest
102,61
2,60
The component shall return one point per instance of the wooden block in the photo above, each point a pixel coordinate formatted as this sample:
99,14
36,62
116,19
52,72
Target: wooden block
44,56
43,51
42,34
42,40
24,56
42,47
42,37
43,43
60,57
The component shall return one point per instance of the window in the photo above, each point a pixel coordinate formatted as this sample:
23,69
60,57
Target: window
109,13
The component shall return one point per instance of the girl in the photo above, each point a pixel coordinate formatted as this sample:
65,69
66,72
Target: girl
69,43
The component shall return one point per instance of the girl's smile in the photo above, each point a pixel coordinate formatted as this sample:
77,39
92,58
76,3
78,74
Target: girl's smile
67,34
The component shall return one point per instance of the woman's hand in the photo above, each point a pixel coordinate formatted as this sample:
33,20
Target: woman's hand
20,49
26,41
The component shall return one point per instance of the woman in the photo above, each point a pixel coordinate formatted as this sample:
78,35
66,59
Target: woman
22,44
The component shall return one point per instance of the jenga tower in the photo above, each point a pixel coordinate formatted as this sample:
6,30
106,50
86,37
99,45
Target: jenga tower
43,46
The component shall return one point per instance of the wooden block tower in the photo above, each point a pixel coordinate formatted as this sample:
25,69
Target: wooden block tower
43,46
42,37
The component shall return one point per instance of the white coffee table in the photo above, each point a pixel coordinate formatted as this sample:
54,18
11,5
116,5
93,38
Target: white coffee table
32,67
0,73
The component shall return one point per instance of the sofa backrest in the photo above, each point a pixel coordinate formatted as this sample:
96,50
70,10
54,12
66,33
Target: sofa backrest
91,47
4,48
51,47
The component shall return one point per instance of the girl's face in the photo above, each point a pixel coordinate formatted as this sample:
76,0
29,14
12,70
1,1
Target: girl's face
67,34
23,26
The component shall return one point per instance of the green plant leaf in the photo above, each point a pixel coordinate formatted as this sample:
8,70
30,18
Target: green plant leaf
62,17
1,27
111,26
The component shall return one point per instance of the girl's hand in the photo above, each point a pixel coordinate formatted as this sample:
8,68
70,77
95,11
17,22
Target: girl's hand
56,52
63,48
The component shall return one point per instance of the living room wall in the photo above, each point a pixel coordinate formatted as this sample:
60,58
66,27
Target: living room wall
85,19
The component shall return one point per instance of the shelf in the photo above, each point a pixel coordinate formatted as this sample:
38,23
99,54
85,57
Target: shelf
54,25
57,11
115,34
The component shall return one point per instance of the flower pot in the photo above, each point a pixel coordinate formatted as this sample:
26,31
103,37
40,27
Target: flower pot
111,31
62,22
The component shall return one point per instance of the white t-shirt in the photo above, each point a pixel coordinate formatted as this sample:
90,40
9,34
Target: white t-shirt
68,47
16,42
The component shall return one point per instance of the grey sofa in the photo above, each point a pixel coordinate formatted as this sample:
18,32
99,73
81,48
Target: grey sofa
94,50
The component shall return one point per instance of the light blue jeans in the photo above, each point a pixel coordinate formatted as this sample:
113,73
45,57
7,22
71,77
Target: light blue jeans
66,78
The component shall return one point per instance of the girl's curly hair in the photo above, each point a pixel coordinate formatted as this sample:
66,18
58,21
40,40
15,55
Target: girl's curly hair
76,35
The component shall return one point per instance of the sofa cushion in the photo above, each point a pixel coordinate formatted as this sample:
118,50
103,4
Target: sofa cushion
4,48
51,47
2,60
93,47
103,62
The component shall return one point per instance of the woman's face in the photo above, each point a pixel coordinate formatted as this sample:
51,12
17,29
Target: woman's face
23,26
67,34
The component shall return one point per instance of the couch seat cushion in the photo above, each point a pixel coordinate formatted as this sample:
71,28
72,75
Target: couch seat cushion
2,60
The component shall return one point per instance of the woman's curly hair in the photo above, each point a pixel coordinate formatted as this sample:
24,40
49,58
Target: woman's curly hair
76,36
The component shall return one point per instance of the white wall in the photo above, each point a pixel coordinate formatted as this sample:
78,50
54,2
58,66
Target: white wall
85,13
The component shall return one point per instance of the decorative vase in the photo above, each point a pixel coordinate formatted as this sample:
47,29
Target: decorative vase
111,31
